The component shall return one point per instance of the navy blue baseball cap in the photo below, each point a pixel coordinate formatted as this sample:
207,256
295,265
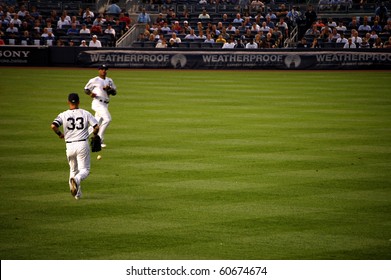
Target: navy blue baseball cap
73,98
103,66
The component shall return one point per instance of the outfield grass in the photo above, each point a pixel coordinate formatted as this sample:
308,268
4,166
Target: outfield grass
202,165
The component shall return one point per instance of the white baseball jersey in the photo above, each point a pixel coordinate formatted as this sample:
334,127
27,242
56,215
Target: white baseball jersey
75,124
96,85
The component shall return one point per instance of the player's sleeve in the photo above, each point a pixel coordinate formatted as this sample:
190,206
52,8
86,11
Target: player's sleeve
89,86
57,121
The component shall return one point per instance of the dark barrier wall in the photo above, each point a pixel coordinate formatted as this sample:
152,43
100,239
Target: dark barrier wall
196,59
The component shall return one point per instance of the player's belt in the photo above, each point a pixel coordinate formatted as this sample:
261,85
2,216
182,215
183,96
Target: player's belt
104,101
76,141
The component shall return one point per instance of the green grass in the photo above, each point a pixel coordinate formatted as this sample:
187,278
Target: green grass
202,165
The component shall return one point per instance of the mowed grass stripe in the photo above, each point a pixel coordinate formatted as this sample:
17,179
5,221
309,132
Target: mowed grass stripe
202,165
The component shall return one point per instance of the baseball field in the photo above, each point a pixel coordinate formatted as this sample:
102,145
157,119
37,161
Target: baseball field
201,165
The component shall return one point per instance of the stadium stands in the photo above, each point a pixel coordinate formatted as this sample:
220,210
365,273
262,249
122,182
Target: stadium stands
46,14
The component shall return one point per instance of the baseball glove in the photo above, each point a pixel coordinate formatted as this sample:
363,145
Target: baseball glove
111,91
95,143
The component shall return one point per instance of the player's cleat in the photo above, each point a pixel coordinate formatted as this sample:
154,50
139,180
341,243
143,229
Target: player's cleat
103,145
79,194
74,187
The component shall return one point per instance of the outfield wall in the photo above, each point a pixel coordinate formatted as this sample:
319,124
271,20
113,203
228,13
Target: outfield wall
320,59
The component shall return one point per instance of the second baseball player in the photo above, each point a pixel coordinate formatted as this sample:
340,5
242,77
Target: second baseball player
100,88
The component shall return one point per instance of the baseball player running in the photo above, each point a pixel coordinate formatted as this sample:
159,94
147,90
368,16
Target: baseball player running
75,123
100,88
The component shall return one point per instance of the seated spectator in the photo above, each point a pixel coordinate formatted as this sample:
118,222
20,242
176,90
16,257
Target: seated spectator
176,38
176,27
83,44
12,31
355,38
201,35
75,21
162,43
283,26
34,12
324,36
110,31
269,42
62,21
364,44
186,27
387,44
165,28
313,31
73,30
334,35
172,43
365,27
191,35
84,29
378,44
282,11
48,37
88,14
342,39
24,27
26,39
60,43
209,39
16,21
95,42
239,44
331,23
97,30
376,27
99,20
315,44
127,21
341,27
251,44
229,44
387,27
257,5
204,15
350,44
220,39
238,19
264,28
302,44
255,27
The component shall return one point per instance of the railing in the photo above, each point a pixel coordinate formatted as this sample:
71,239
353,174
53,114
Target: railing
130,36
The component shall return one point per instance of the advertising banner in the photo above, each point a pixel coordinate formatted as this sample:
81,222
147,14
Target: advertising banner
24,56
179,59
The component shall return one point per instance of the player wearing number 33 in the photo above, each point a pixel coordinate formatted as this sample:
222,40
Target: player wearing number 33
75,123
100,88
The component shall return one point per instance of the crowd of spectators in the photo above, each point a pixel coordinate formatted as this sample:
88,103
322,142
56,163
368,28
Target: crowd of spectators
262,27
27,25
356,32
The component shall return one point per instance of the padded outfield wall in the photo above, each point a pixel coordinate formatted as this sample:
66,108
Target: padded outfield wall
279,59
